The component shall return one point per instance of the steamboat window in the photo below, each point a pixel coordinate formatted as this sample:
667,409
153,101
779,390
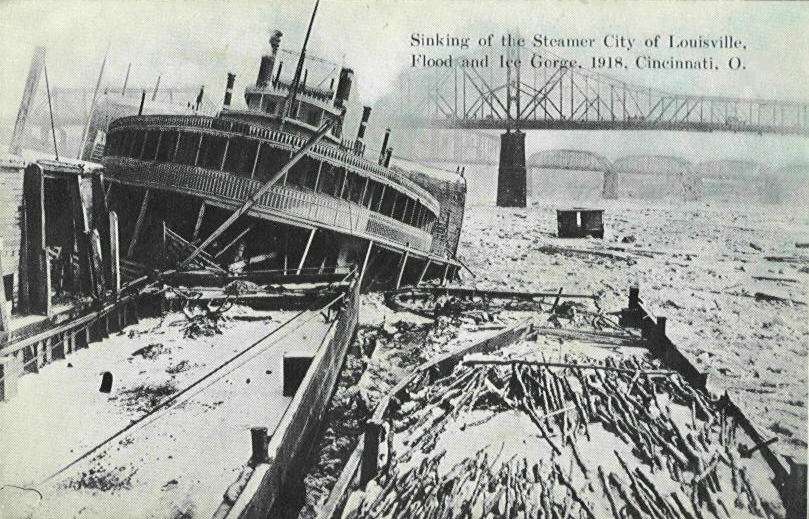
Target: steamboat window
339,180
270,161
187,151
240,156
113,144
150,145
371,194
355,188
297,175
313,117
137,144
167,145
327,180
269,105
387,201
212,151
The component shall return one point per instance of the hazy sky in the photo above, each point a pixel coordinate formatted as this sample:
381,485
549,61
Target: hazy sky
198,42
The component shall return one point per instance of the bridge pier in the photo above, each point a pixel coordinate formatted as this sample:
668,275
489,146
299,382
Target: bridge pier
610,189
511,176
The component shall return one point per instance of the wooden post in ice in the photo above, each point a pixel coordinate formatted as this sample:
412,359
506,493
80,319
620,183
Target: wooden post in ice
115,255
370,451
259,442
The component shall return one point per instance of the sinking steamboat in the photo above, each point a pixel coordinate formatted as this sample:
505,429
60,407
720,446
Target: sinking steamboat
176,178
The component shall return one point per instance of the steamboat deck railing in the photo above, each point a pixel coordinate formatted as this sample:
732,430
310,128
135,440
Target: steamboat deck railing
309,208
332,154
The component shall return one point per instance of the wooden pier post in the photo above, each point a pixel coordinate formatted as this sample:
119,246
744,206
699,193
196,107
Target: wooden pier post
632,315
259,441
444,276
370,451
115,254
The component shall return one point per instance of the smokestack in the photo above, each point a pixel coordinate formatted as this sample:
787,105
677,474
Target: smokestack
268,60
388,154
384,146
142,100
278,74
229,88
358,145
343,87
366,114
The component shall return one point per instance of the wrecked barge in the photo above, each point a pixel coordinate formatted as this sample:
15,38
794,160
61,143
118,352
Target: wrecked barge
561,415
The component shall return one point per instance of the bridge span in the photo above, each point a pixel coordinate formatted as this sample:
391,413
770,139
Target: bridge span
519,99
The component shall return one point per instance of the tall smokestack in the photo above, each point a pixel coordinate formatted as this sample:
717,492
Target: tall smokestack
366,114
229,88
384,146
388,155
268,60
343,87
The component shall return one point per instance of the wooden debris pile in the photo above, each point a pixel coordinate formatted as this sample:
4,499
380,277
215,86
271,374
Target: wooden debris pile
618,439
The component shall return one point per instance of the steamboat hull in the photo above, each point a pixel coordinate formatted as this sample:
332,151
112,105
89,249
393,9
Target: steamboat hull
183,176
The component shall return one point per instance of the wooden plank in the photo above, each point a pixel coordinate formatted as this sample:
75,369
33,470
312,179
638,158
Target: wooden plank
306,250
365,263
401,270
198,225
139,224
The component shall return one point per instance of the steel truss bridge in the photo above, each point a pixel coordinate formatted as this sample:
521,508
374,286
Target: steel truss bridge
578,99
518,98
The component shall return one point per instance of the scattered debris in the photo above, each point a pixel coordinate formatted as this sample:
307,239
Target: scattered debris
145,397
150,351
207,322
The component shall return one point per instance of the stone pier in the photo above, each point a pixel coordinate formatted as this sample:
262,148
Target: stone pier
511,177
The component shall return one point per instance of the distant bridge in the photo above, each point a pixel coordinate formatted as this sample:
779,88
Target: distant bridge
518,98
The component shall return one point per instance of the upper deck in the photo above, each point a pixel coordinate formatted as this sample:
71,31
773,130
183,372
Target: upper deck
224,160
